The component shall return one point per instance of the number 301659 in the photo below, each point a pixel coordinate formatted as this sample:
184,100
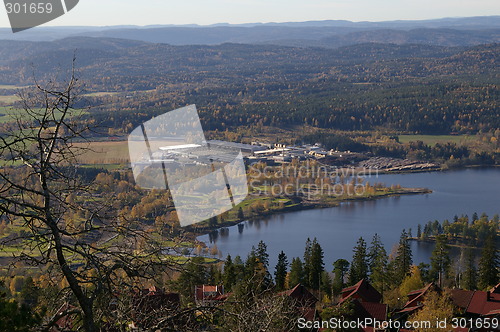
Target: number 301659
29,8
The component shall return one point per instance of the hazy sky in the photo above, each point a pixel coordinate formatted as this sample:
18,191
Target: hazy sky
145,12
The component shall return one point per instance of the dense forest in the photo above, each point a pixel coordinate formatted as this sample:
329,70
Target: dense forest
407,88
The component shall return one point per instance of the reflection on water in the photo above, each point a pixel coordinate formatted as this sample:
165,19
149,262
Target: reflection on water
337,229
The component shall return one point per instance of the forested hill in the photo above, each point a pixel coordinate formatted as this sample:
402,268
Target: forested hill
122,61
415,88
331,37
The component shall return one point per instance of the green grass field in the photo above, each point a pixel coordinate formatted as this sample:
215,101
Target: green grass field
7,113
434,139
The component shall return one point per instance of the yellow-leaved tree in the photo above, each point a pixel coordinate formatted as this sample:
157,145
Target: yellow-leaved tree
437,308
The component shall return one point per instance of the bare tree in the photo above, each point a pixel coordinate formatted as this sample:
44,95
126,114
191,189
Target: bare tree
268,312
72,231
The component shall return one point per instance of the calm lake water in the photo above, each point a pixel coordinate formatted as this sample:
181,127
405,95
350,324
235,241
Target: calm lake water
337,229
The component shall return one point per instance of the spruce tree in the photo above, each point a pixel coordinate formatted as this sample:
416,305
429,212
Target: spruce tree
239,268
257,275
229,275
250,264
440,260
403,260
340,268
281,271
359,264
316,265
296,275
488,264
377,257
469,278
262,255
307,262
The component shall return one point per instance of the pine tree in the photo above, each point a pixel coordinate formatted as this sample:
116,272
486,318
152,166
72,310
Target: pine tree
469,279
239,267
281,271
403,260
214,275
488,264
377,256
316,265
440,260
359,264
307,262
340,268
194,273
474,216
229,275
296,275
257,275
261,254
250,264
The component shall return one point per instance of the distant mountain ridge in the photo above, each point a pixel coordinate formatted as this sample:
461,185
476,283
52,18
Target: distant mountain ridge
331,34
423,36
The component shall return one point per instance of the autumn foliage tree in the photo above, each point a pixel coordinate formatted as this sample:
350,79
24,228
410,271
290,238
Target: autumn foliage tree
437,308
65,227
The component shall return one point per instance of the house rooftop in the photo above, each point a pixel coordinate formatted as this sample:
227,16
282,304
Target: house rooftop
364,290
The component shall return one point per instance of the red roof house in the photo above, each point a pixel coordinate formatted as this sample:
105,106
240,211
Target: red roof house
416,299
478,303
362,291
304,300
473,304
366,301
207,295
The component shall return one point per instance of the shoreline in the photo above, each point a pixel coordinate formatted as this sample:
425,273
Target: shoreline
432,240
303,205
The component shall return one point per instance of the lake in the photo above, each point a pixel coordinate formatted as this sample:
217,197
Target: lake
337,229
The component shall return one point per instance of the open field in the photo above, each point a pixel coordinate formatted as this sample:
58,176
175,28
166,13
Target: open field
9,99
100,94
10,87
112,152
434,139
7,113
